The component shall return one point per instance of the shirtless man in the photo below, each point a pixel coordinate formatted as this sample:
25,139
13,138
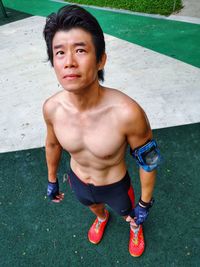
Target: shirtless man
95,124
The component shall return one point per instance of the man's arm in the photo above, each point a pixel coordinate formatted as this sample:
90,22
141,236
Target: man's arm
53,151
147,180
138,134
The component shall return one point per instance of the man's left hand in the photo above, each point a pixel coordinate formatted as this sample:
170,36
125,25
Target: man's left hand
140,213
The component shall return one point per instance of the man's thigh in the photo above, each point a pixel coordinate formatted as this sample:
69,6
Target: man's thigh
119,196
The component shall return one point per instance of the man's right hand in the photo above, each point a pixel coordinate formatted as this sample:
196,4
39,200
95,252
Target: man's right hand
53,192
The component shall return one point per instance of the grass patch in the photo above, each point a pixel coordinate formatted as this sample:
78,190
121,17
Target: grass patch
162,7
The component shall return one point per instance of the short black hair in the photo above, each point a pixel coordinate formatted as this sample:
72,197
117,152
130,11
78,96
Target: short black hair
74,16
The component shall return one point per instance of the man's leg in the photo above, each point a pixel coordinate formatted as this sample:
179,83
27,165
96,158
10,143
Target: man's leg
84,195
96,231
98,210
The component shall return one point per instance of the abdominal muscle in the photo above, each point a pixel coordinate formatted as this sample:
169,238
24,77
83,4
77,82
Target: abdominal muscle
99,172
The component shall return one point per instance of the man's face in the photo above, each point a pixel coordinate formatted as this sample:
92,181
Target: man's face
74,59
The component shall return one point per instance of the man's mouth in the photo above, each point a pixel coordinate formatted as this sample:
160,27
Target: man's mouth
71,76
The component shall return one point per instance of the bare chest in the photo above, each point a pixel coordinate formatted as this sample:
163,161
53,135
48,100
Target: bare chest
98,135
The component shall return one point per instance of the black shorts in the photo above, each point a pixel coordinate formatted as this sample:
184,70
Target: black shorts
119,196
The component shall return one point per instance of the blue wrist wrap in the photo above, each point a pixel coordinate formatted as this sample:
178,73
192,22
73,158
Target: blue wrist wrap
140,214
53,190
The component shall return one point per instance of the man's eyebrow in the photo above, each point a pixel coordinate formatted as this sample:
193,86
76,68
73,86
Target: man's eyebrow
75,44
80,44
58,46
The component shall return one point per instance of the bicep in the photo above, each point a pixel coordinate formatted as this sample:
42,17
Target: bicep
51,138
143,148
139,131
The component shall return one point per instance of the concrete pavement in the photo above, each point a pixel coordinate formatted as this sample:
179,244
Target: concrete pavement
189,13
191,8
167,88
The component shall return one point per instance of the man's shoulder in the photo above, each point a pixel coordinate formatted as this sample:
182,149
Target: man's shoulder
128,112
54,100
51,104
123,102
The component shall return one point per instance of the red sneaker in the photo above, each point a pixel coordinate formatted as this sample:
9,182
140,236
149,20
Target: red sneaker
136,242
96,231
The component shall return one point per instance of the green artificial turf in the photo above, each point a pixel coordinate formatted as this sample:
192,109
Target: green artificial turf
163,7
35,232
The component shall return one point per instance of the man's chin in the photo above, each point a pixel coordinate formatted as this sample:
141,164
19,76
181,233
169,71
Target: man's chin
72,90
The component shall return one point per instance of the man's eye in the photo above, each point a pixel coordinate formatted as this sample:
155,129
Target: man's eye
59,53
80,51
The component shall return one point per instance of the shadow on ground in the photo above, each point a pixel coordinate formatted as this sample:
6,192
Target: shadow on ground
12,15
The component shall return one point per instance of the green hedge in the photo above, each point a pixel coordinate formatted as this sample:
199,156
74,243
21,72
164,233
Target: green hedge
163,7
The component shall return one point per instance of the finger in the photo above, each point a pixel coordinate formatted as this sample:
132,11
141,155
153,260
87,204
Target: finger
58,198
55,200
129,218
135,219
61,195
133,224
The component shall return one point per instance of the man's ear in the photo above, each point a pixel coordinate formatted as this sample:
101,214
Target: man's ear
102,62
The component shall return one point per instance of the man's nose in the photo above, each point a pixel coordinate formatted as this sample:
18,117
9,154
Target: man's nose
70,61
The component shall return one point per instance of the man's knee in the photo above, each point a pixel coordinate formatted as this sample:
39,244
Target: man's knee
97,206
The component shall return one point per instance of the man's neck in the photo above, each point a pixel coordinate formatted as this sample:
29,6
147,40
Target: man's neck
87,98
